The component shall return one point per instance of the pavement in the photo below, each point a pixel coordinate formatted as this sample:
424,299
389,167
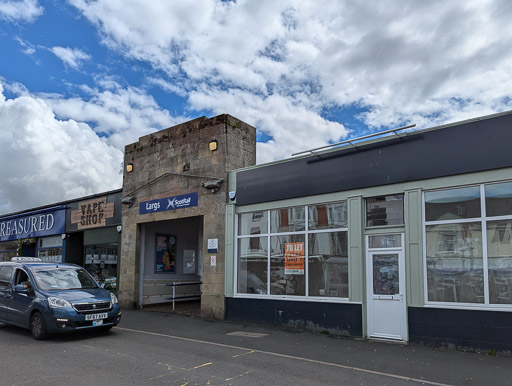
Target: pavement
395,363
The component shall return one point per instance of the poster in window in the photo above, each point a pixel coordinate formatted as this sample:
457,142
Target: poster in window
294,258
165,254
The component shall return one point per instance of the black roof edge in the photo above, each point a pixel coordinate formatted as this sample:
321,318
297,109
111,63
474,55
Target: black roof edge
60,203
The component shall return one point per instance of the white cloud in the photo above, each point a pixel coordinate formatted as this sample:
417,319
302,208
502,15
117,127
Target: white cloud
48,160
20,10
120,115
72,57
402,62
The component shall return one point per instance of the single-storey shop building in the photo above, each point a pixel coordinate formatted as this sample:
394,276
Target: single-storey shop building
405,237
85,231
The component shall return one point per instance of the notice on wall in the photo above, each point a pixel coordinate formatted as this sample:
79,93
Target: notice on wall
213,245
294,258
213,261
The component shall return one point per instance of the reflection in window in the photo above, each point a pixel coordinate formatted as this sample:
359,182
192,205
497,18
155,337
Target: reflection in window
325,233
385,274
328,216
252,223
498,199
252,265
285,257
328,264
452,204
287,220
499,249
455,263
385,210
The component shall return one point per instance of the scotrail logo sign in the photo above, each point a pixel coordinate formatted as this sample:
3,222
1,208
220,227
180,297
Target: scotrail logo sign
168,203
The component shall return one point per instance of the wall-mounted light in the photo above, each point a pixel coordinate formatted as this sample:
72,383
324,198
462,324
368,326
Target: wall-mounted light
129,167
213,145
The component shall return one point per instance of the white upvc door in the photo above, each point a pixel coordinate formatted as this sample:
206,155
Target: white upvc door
387,310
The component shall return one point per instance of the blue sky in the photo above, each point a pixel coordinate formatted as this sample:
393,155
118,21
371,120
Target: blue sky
80,79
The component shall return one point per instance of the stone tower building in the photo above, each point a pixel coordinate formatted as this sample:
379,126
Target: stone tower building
175,192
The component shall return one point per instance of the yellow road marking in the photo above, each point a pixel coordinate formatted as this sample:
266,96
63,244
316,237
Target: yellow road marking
359,369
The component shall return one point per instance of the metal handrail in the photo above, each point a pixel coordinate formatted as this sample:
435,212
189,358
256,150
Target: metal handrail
355,139
177,284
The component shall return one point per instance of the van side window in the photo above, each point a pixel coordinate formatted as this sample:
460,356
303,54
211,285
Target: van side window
21,277
5,276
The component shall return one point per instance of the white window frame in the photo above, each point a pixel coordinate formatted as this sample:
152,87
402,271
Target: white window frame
306,232
483,219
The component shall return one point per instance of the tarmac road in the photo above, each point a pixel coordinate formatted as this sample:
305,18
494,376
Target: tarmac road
154,348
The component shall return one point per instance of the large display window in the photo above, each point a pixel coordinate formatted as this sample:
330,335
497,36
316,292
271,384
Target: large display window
295,252
101,262
468,245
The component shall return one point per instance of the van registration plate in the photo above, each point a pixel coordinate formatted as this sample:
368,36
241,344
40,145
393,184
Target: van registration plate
96,316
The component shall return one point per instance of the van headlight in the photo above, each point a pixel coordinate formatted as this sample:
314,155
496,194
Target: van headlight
58,303
113,298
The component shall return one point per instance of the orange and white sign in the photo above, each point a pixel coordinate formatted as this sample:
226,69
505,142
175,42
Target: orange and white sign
294,258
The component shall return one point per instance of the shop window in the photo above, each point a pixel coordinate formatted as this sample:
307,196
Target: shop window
455,263
385,210
323,267
50,249
328,264
8,250
452,204
252,265
287,265
287,220
455,253
252,223
499,246
327,216
498,199
101,263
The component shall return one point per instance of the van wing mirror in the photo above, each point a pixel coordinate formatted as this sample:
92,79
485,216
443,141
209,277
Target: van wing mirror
21,289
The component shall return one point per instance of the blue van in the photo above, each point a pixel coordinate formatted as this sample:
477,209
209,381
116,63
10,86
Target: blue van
49,298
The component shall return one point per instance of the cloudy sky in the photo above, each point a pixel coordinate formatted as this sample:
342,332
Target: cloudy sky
80,79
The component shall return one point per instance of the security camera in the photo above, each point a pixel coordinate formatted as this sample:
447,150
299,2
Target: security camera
128,200
213,186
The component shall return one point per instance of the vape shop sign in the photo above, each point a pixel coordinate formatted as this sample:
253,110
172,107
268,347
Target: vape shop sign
92,213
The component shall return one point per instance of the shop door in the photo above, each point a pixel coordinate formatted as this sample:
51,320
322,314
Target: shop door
387,311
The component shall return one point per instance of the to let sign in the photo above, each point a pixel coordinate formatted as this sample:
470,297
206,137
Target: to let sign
294,258
92,213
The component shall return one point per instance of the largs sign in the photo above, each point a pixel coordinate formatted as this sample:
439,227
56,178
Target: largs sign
168,203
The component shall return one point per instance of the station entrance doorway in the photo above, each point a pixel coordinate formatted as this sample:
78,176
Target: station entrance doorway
171,265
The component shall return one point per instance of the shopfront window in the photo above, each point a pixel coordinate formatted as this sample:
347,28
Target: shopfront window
459,255
252,265
8,250
287,265
49,249
328,264
101,263
308,253
385,210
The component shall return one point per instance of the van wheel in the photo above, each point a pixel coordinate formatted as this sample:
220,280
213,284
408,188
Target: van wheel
38,327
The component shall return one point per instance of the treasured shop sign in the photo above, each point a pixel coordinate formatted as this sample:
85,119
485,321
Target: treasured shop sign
51,221
92,213
168,203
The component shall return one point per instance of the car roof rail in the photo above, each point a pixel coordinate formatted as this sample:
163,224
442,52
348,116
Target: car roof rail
24,258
